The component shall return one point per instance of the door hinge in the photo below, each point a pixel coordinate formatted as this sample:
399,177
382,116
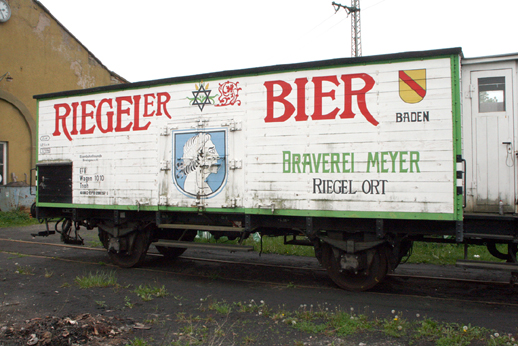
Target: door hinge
234,164
166,130
233,203
201,123
165,165
472,91
233,125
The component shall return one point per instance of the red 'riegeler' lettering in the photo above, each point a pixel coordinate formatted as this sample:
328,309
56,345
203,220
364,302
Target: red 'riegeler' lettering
137,127
62,118
122,111
109,116
85,115
148,103
74,118
162,103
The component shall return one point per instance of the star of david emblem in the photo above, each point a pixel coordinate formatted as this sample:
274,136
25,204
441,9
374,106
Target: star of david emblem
201,97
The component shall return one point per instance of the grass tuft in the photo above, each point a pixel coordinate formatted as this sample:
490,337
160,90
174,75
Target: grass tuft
24,270
99,279
147,292
16,218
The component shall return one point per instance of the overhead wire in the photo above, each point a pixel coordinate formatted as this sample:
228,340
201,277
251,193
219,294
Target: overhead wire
345,18
322,22
371,6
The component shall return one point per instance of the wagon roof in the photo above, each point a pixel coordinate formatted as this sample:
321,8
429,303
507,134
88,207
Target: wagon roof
262,70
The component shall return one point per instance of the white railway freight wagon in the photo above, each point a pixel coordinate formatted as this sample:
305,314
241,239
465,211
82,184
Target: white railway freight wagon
359,156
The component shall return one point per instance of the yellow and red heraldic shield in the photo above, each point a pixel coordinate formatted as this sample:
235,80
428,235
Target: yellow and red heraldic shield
412,85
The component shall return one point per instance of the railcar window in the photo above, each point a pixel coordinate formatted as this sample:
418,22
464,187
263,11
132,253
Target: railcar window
491,94
3,162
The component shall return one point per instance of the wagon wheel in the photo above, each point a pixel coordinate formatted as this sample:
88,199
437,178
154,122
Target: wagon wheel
510,256
175,252
369,274
135,254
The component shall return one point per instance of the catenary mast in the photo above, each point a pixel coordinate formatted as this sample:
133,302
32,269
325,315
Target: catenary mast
354,11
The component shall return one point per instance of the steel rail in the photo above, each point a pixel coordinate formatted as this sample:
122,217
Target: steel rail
313,269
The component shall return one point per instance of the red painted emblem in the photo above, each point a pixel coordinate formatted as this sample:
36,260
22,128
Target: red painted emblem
229,93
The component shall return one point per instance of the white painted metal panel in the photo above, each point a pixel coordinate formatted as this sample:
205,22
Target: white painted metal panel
493,146
428,191
388,154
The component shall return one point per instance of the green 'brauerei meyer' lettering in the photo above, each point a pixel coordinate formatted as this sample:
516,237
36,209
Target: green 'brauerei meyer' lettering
387,162
317,163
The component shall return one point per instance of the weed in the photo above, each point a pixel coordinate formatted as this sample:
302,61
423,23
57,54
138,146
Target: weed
395,326
497,339
95,244
432,253
220,307
279,316
248,340
101,304
444,254
151,320
181,317
99,279
311,327
187,330
147,293
24,270
270,245
427,330
48,274
453,334
345,323
16,218
139,342
128,303
251,306
16,255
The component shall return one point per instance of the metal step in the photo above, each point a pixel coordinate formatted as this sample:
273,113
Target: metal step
202,227
489,236
511,267
299,242
211,246
490,216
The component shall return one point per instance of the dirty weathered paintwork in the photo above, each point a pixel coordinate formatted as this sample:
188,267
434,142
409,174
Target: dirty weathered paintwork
360,140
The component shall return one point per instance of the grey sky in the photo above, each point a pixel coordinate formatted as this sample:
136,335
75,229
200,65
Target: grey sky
144,40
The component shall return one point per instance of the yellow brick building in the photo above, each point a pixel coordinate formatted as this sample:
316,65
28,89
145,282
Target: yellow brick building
38,55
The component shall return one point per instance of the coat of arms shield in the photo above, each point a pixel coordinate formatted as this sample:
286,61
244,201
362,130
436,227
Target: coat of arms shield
200,162
412,85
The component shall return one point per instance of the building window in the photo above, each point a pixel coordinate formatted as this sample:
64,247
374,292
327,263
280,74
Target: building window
3,163
491,94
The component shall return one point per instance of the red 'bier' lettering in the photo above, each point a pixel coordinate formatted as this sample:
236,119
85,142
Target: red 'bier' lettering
319,96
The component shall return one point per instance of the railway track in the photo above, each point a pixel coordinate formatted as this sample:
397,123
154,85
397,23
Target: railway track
314,269
191,277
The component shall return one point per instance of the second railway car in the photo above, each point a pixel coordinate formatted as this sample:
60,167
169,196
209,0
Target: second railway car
359,156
